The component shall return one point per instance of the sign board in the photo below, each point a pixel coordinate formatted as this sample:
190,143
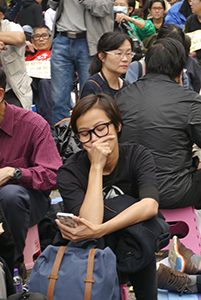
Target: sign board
38,69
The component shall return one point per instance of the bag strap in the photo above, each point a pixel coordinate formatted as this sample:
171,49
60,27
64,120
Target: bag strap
89,278
53,277
84,85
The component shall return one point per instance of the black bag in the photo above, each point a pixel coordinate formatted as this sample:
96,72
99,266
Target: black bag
67,143
27,295
47,227
134,246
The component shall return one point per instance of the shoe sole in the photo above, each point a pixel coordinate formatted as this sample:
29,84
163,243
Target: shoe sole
176,260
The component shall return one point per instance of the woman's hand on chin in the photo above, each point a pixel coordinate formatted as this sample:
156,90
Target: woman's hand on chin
84,231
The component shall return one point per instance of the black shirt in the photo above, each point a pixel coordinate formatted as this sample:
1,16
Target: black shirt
166,118
134,175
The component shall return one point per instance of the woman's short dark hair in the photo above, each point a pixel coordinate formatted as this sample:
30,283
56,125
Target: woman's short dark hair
100,101
151,2
107,42
173,31
166,56
2,79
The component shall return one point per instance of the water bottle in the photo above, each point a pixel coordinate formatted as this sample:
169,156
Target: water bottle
17,280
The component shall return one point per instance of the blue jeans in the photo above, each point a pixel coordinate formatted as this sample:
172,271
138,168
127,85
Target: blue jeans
68,56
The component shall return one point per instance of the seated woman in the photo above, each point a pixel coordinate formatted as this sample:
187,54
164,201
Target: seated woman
157,11
123,10
114,55
102,171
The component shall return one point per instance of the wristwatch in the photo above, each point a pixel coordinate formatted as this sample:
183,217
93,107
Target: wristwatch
17,174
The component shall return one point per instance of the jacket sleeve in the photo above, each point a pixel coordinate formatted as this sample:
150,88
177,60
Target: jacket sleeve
98,8
44,162
145,32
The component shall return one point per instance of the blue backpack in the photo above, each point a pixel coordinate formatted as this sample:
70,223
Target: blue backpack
77,271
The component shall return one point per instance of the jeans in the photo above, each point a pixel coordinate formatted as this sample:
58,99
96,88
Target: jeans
68,56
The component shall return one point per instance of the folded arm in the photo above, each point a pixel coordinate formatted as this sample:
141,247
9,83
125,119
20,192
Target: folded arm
15,38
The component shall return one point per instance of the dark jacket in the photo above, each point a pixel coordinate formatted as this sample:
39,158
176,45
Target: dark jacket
166,118
30,14
194,74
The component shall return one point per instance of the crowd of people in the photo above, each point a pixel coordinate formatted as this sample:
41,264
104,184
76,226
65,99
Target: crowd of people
138,118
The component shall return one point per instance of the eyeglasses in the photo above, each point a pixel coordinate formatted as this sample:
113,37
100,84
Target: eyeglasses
100,131
157,8
120,55
44,35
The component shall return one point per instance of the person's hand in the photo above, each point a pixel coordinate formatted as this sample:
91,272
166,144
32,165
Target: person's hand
6,174
99,150
85,230
2,46
193,54
30,47
121,16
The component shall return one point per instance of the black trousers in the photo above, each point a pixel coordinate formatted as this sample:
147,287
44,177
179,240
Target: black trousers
42,98
23,208
192,197
144,282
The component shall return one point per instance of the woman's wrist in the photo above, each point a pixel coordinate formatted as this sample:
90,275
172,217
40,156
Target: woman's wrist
133,20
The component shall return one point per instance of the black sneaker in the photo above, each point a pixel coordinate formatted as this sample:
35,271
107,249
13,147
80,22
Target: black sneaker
173,280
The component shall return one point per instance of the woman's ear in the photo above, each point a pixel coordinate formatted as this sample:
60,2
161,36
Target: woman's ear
149,10
119,127
101,56
1,94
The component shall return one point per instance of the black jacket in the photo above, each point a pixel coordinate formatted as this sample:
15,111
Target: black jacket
30,14
166,118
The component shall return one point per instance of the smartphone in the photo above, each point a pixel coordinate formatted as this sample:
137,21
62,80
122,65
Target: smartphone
66,219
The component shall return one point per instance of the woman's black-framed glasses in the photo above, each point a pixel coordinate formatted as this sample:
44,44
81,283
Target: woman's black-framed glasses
100,130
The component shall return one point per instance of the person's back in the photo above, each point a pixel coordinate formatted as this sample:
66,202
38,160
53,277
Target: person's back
31,13
160,124
165,118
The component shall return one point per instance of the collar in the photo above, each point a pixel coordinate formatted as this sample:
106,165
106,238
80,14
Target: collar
8,121
158,77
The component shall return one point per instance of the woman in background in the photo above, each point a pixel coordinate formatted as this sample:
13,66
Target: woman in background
157,11
114,55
